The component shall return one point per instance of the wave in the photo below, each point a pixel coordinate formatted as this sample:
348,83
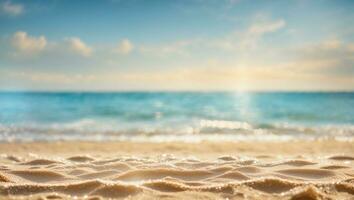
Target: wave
100,130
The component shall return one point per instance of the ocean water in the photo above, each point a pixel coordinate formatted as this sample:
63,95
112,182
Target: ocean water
175,116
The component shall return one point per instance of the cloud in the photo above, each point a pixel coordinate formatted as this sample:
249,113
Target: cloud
28,47
79,47
27,44
241,40
11,9
328,65
260,28
249,39
124,47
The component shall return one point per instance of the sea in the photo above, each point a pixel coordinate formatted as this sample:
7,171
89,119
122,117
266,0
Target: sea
176,116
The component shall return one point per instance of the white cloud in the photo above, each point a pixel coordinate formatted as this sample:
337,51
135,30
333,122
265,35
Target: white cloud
124,47
12,9
260,28
248,39
27,44
79,47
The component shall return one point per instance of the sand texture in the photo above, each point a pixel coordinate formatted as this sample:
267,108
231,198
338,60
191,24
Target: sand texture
86,171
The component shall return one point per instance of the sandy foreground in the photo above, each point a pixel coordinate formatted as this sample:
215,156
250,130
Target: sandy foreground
206,170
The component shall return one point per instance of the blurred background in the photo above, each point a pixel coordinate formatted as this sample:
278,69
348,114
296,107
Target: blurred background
176,70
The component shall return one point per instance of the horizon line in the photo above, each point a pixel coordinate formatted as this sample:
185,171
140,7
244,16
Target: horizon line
174,91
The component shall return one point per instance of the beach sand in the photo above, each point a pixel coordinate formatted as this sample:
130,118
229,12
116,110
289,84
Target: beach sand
175,170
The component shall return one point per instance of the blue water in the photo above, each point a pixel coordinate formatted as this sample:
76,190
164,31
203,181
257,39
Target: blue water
188,116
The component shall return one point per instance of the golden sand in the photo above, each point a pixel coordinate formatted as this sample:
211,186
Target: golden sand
207,170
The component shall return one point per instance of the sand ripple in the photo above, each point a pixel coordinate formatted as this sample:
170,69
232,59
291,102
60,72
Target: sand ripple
262,177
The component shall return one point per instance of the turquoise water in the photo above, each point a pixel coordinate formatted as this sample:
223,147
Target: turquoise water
187,116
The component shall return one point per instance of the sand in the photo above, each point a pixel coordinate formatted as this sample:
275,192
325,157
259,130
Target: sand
207,170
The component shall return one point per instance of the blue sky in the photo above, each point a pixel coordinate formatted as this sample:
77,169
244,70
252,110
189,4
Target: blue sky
176,45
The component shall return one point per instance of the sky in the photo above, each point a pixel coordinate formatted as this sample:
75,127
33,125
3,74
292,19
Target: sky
185,45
